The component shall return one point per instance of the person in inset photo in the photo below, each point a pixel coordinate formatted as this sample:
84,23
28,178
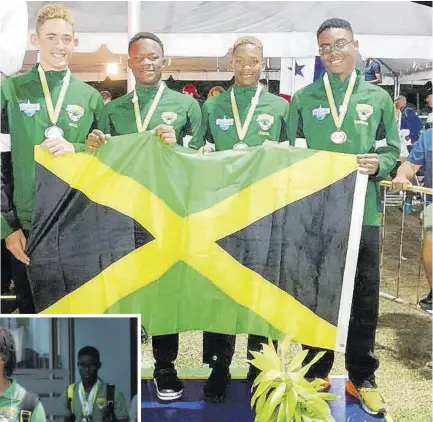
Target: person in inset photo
92,399
16,404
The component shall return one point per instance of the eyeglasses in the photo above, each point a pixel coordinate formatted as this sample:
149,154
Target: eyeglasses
84,366
339,45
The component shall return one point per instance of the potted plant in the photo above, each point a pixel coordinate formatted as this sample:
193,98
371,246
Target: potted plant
281,392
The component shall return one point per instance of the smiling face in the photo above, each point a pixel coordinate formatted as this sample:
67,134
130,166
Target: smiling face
55,41
146,61
247,64
339,62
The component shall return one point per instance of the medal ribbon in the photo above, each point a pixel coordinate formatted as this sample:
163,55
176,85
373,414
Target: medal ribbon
142,126
87,405
339,117
54,113
242,130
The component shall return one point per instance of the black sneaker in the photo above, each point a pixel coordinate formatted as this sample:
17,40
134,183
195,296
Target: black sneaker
215,388
426,303
168,385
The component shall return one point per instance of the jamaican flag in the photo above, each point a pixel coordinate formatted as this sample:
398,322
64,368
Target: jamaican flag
258,241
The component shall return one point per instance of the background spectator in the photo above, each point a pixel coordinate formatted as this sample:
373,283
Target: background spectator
106,95
372,71
215,90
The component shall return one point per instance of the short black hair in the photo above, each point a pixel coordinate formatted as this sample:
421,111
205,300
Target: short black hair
334,23
8,351
145,36
89,351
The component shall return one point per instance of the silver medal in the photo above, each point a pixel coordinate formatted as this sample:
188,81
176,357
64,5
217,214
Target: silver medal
338,137
84,419
240,145
53,132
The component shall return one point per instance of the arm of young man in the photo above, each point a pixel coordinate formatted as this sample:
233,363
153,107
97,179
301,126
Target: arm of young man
202,127
102,128
284,134
294,125
384,160
10,226
65,408
120,408
416,160
38,414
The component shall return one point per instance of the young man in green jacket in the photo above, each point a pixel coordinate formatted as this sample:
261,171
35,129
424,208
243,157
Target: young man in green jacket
244,116
11,393
171,115
87,400
49,107
151,105
342,113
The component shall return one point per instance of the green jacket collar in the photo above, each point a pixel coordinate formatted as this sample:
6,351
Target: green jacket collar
337,83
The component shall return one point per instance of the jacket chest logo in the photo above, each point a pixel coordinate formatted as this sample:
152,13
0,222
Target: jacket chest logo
75,112
265,121
169,117
320,113
29,109
364,113
224,123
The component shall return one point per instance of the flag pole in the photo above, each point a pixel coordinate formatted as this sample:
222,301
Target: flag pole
293,75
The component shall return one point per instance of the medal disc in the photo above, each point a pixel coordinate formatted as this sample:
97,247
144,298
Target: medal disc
240,145
338,137
53,132
84,419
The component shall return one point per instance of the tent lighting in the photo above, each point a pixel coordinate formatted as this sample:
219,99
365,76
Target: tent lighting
112,68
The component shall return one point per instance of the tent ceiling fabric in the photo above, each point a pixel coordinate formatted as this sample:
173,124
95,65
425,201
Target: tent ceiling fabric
399,32
379,18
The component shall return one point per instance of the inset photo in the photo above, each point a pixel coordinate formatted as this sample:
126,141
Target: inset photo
82,369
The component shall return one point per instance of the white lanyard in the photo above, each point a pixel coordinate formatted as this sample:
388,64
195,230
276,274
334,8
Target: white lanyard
242,130
87,405
142,126
54,113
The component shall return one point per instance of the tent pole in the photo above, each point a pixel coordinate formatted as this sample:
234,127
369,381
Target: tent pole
134,9
284,76
292,93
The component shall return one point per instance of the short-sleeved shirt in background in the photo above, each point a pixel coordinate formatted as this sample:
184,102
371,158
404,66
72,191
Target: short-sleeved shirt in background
10,405
371,69
100,407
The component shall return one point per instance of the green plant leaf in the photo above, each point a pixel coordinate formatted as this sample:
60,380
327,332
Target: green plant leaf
271,355
319,406
291,403
282,415
260,404
297,414
283,347
328,396
262,388
305,368
297,360
262,362
268,376
275,398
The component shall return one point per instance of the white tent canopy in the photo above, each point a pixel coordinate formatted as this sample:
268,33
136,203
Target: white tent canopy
286,28
197,36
